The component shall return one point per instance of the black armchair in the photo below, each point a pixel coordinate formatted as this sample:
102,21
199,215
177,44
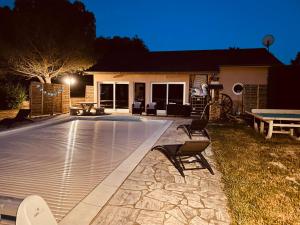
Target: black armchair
151,109
137,108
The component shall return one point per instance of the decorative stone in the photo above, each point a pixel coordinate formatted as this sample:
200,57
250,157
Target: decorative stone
198,221
150,218
172,221
134,185
184,202
222,215
207,214
165,196
164,176
156,186
178,214
179,179
216,222
142,177
148,171
125,197
188,212
180,187
213,203
116,215
149,203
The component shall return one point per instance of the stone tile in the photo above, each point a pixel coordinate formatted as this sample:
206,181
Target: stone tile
198,221
178,214
207,214
216,222
165,196
111,215
173,221
156,186
194,200
221,214
181,187
134,185
179,179
213,203
188,212
150,217
164,176
149,203
125,197
142,177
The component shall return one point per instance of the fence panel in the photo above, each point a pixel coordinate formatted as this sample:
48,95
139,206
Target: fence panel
254,97
49,98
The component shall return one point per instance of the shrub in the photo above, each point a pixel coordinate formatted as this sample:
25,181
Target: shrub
12,95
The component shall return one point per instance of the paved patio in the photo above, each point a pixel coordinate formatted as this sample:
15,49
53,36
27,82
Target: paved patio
155,193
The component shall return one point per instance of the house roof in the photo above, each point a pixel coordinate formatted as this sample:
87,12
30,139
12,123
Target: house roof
183,61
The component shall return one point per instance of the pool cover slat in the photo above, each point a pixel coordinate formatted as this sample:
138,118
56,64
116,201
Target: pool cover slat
63,163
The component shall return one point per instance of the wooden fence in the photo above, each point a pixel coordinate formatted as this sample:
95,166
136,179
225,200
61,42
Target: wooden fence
89,96
48,99
254,97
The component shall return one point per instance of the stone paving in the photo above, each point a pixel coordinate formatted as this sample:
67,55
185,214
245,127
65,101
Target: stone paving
156,194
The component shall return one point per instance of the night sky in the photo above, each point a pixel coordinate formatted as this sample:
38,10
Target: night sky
201,24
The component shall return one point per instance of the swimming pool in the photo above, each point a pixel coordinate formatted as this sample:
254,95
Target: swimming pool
64,162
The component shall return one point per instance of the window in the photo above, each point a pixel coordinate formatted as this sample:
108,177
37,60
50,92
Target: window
238,88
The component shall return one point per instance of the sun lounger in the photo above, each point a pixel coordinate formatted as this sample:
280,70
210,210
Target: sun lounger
179,154
20,117
196,127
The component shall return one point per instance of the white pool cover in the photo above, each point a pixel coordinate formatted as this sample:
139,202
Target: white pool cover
64,162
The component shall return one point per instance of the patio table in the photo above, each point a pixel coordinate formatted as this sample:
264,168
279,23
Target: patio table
277,118
87,106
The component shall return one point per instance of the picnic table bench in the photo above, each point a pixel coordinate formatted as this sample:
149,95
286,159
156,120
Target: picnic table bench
286,120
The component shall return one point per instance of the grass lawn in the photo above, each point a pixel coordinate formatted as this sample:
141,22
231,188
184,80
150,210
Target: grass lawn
261,177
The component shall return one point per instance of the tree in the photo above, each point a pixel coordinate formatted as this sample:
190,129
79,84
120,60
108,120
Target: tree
111,50
47,38
296,61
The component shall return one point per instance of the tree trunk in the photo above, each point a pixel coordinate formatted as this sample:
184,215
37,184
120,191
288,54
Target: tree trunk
47,80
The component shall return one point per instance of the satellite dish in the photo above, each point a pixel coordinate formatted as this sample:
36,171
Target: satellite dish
268,40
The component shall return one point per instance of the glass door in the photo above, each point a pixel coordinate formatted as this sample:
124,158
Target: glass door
121,100
114,96
140,93
167,93
159,95
107,96
175,93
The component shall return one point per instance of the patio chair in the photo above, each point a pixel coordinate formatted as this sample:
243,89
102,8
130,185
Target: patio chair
196,127
151,109
137,108
180,154
20,117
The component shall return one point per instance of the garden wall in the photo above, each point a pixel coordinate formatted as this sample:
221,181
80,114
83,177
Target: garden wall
48,99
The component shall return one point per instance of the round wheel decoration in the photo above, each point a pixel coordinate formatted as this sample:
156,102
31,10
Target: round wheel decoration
226,104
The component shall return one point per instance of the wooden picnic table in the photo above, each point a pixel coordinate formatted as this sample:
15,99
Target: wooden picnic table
87,106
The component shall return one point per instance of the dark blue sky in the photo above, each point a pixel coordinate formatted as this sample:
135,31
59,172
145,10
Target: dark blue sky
201,24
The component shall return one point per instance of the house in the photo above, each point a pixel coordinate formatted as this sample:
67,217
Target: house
168,76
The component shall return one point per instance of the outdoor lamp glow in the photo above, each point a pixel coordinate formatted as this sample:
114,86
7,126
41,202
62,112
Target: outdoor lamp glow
69,80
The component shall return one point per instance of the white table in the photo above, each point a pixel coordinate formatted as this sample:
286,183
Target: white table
276,118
